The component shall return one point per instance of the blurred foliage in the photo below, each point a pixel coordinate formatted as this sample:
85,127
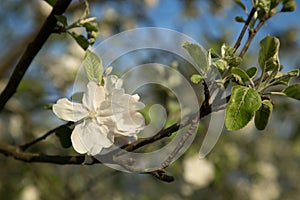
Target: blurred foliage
246,164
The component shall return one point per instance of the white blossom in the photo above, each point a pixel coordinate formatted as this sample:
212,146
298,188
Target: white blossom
105,112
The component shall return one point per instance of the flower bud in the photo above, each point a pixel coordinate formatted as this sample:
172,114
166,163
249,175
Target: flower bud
289,6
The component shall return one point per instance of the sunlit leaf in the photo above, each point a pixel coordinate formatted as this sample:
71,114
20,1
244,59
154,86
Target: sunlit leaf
220,64
196,78
268,53
93,66
265,5
293,91
244,102
241,73
198,54
263,115
90,27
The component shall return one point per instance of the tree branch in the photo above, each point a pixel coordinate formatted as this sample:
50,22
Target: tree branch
238,42
31,51
15,152
29,144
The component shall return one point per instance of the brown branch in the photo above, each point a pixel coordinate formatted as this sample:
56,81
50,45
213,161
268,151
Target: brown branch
15,152
238,42
43,137
252,34
31,51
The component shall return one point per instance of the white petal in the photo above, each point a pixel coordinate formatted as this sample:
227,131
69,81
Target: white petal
76,139
130,124
95,137
69,111
112,82
94,96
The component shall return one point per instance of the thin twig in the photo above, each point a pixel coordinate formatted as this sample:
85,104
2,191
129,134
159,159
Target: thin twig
239,40
252,34
31,51
44,136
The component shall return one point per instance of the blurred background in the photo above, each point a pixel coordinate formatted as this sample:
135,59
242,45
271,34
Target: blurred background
245,164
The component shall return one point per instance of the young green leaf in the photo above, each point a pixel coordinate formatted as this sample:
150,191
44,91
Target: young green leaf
263,115
251,72
268,53
93,66
293,91
62,19
196,78
244,102
64,134
239,19
220,64
198,54
241,73
81,40
265,5
90,27
240,4
284,78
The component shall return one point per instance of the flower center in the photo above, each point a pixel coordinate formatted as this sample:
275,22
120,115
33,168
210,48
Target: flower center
92,114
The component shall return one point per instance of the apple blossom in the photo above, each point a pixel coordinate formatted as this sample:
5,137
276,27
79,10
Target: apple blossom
105,112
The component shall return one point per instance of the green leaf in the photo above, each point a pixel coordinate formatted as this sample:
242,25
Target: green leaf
93,66
196,78
274,3
284,78
89,27
263,115
293,91
239,19
251,72
244,102
221,65
62,19
268,53
64,134
265,5
81,40
198,54
240,4
241,73
51,2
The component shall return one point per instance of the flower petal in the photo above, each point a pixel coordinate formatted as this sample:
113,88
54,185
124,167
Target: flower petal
112,82
94,96
69,111
76,139
94,137
130,124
